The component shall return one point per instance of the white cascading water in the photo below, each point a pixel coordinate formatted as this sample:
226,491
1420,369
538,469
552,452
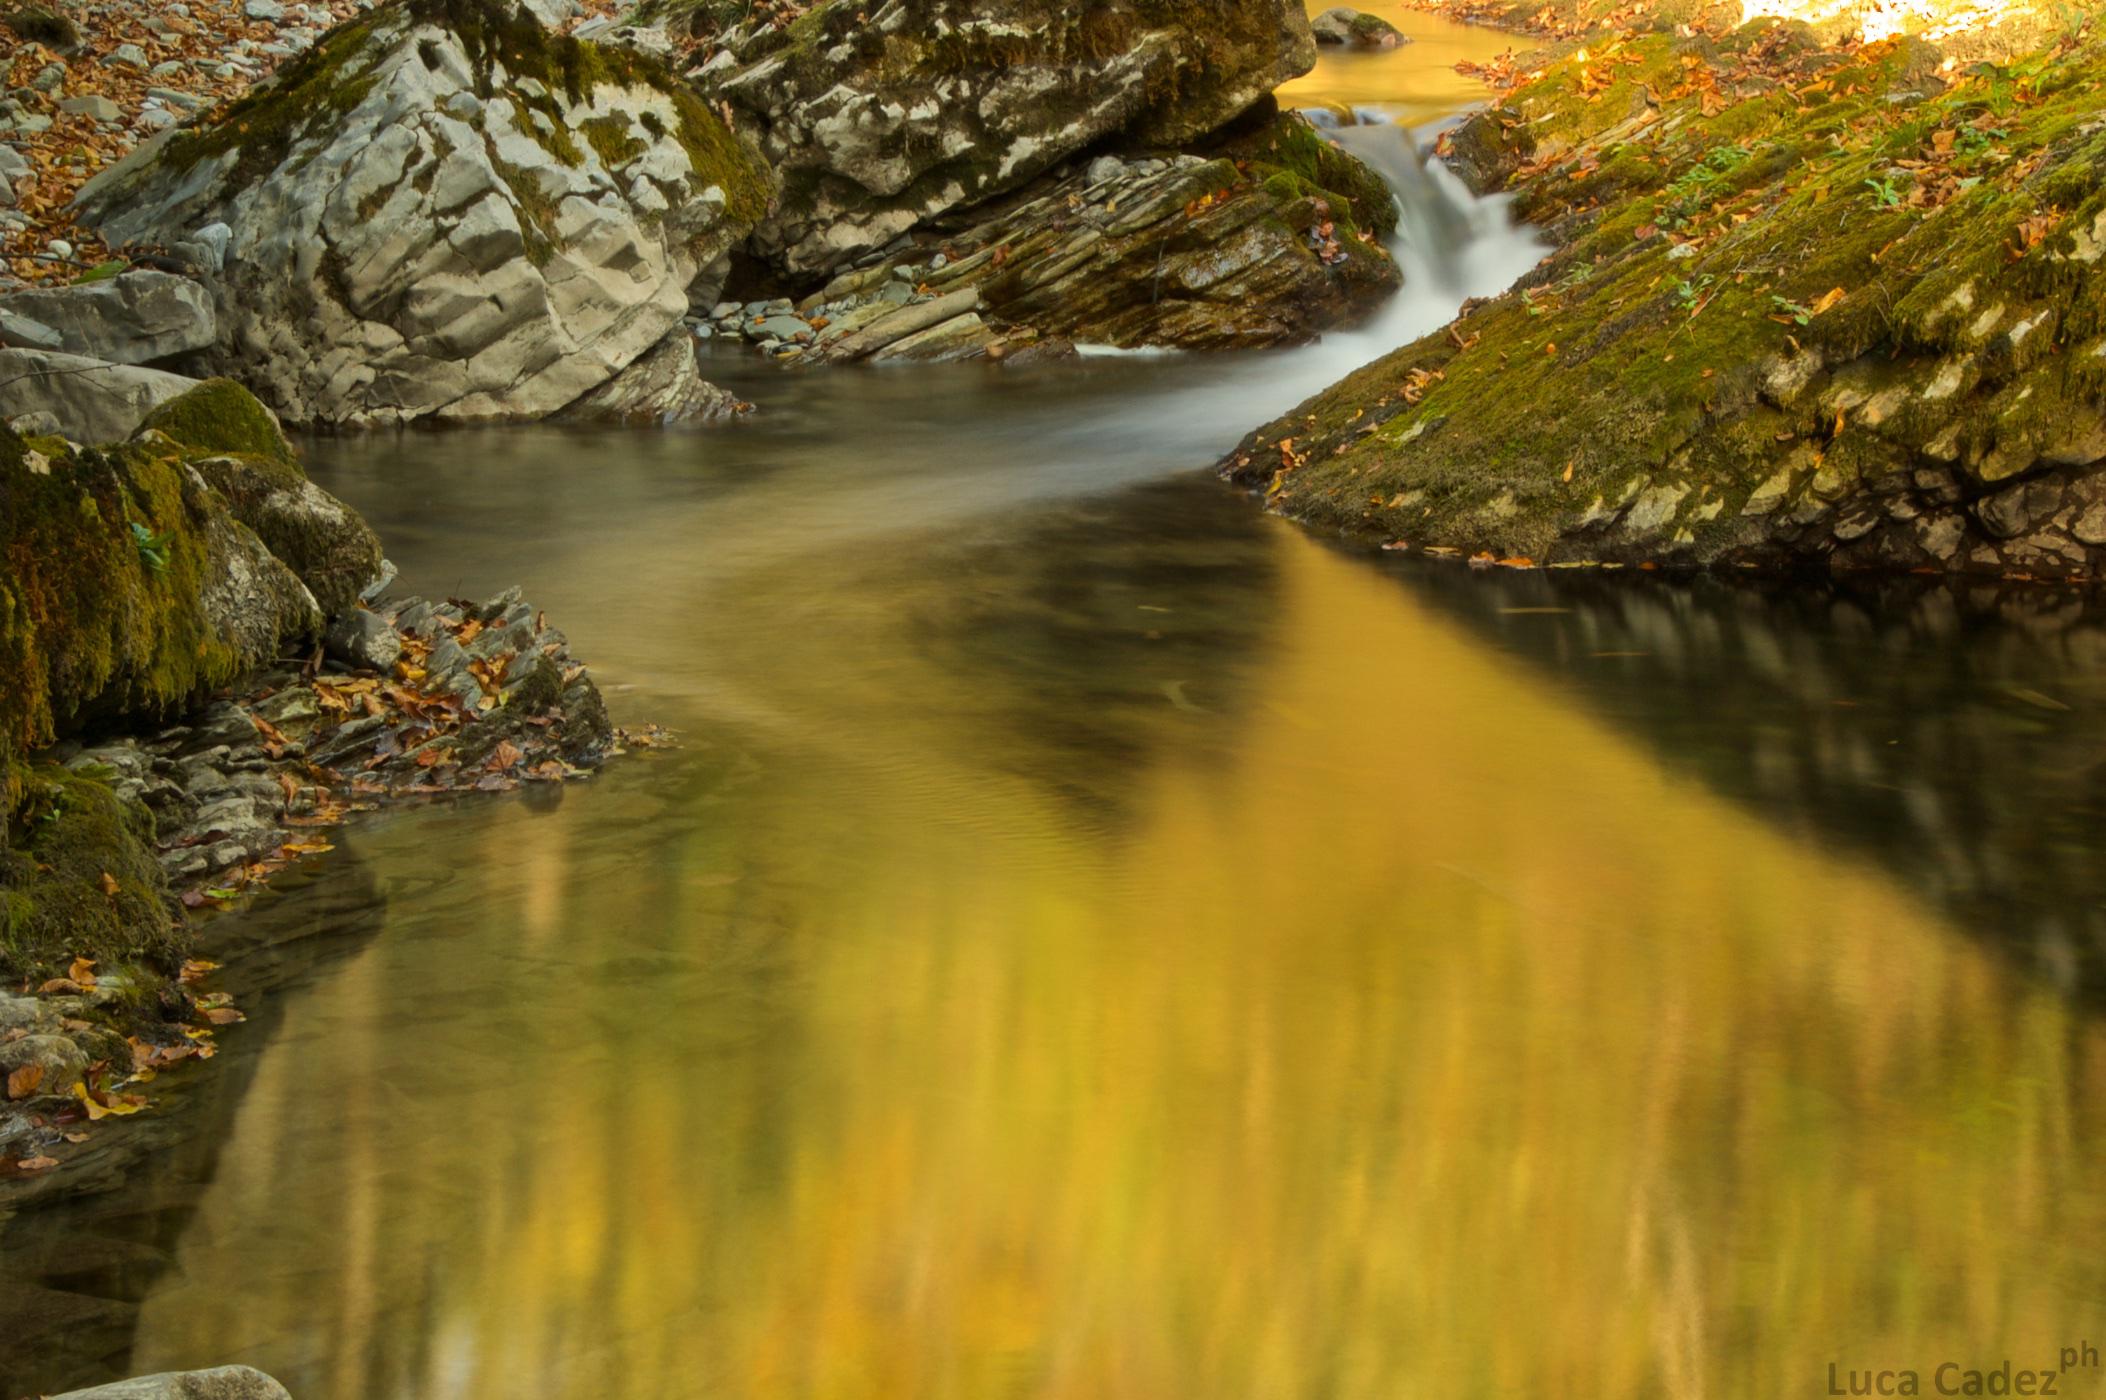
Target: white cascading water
1450,244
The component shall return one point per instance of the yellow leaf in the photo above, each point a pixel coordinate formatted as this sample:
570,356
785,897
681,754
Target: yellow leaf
1828,300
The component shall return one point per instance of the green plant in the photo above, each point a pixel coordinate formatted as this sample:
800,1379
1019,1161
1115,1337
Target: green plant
153,548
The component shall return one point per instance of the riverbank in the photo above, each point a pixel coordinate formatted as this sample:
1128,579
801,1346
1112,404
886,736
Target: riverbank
205,679
1810,306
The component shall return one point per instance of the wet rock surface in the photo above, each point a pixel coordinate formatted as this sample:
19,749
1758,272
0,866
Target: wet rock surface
1268,240
471,697
882,117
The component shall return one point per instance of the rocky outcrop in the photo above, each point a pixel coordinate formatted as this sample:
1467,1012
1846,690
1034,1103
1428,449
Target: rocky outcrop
884,116
133,318
666,386
219,1383
87,400
443,211
127,587
1355,29
1269,239
1755,348
235,444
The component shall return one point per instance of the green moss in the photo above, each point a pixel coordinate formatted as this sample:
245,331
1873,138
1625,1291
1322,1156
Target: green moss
1292,160
78,879
221,416
88,624
611,139
324,84
1629,366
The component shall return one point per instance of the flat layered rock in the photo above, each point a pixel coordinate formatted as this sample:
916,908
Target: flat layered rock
884,116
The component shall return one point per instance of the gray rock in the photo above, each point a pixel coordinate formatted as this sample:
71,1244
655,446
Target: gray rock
1344,25
219,1383
401,261
665,386
363,639
554,13
94,401
22,333
98,108
127,56
62,1061
780,327
12,163
871,147
130,319
266,11
38,424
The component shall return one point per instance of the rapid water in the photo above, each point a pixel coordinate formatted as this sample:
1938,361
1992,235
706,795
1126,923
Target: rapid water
1099,941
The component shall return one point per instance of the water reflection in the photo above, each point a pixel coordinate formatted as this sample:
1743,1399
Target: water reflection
1377,1021
1418,81
1954,732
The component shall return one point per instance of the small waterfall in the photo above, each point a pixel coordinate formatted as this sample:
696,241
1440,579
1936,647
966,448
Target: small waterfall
1435,224
1450,244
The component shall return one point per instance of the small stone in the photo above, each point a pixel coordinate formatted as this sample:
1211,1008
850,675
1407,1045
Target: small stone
127,56
360,638
96,107
265,11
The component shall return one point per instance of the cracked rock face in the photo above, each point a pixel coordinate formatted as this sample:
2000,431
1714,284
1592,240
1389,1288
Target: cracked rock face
443,213
883,116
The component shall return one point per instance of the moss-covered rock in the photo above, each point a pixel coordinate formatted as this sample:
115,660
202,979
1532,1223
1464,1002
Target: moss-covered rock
883,117
78,879
234,442
1811,306
127,588
444,210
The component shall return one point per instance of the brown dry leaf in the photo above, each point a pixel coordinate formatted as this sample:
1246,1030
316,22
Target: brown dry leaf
223,1015
24,1081
506,755
60,986
194,971
36,1164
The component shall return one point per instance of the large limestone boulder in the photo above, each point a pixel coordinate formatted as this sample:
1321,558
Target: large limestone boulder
133,318
443,211
881,116
90,400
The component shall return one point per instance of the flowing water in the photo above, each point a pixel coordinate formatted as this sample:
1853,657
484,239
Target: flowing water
1100,941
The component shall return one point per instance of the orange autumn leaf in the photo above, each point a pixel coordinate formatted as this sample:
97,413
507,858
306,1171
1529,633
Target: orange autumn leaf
24,1081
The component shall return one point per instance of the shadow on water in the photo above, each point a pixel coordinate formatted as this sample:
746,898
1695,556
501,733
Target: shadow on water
77,1269
1955,732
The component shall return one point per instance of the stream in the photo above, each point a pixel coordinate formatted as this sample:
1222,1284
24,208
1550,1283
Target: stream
1097,940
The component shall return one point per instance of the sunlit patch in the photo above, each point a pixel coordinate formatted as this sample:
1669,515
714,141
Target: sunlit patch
1884,19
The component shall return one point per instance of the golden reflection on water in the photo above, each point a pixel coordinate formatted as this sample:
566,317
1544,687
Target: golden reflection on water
1417,81
1419,1038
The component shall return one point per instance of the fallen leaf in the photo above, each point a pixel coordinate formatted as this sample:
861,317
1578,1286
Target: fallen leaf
60,986
24,1081
83,969
1828,300
109,884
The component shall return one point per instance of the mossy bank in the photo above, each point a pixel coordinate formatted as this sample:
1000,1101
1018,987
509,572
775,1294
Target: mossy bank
1809,306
